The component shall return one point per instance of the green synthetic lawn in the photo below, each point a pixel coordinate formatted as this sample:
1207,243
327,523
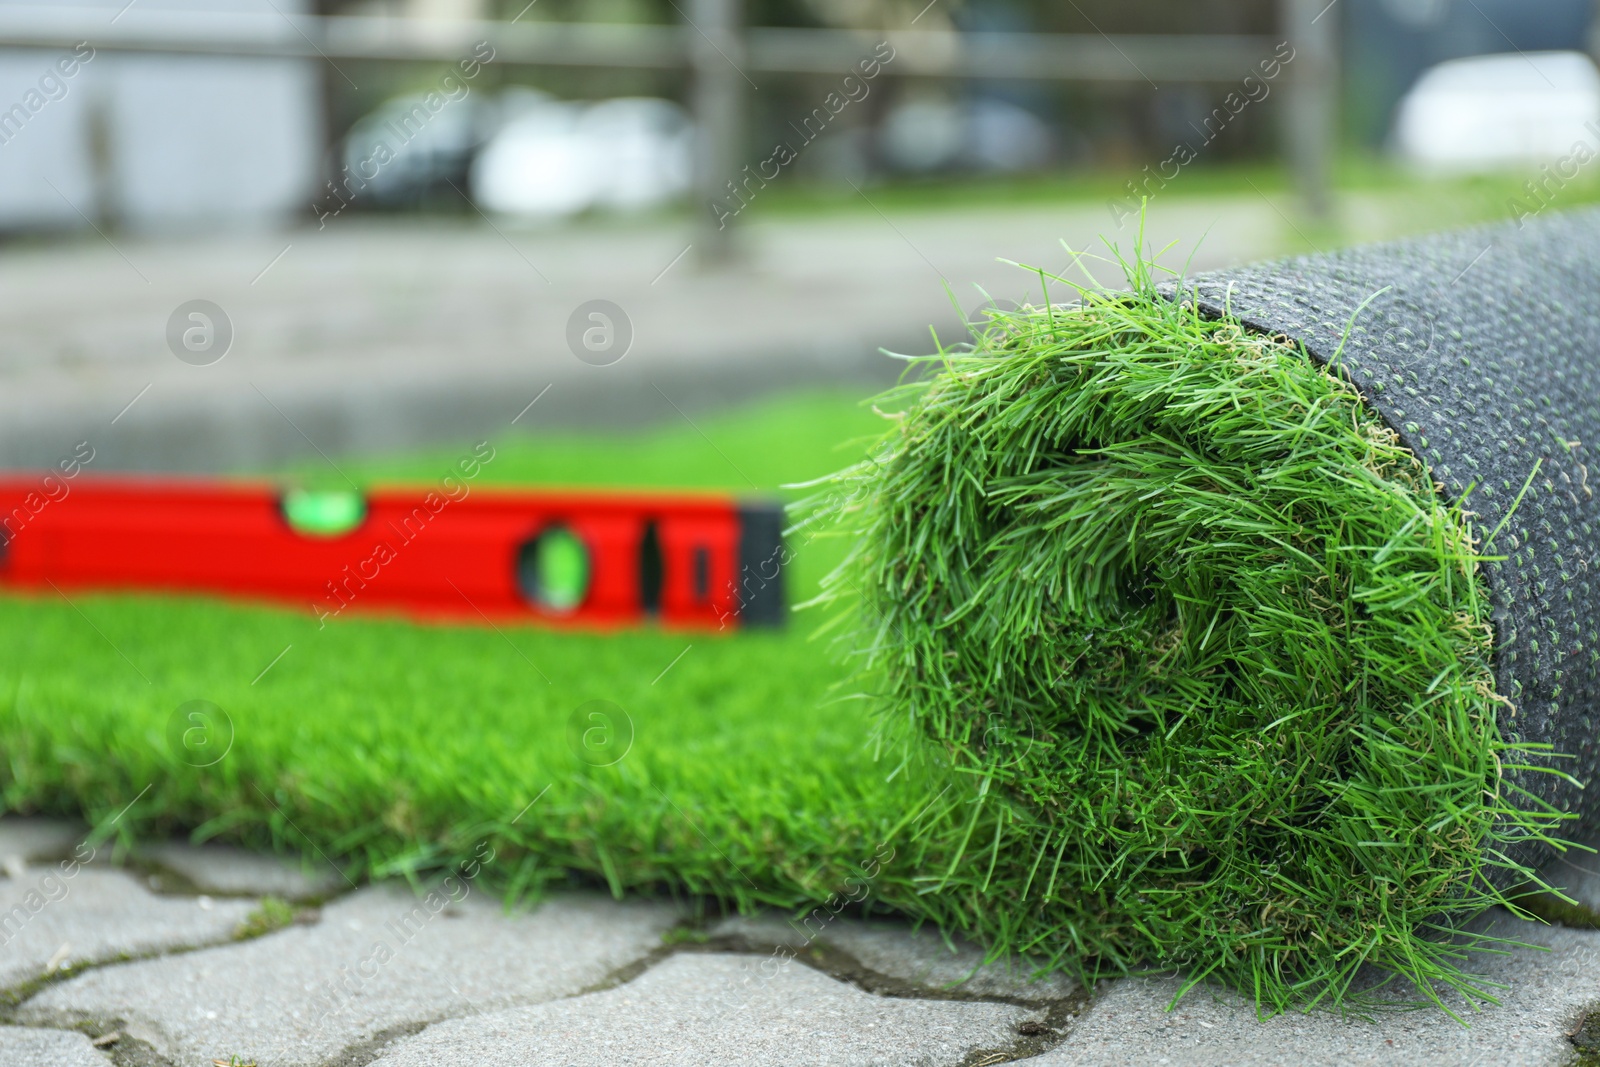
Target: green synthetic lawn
394,748
1174,655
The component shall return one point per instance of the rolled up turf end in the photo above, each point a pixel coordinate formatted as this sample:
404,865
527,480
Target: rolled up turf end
1260,604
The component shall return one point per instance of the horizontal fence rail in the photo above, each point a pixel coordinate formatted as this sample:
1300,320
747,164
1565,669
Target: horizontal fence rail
767,50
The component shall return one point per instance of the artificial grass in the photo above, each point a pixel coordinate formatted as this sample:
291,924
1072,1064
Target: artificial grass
398,748
1201,653
1213,638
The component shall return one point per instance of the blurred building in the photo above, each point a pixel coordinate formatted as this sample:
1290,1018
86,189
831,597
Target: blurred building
158,141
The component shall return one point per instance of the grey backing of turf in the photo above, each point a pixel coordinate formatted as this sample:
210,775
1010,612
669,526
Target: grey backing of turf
1483,352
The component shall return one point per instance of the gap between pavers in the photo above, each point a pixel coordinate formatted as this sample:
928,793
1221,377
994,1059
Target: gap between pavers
1548,995
27,1047
63,907
701,1008
380,959
99,915
881,957
58,917
919,957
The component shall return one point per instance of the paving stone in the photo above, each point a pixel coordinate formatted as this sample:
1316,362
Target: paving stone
922,958
379,958
231,871
29,838
918,957
22,1046
1548,995
58,916
702,1008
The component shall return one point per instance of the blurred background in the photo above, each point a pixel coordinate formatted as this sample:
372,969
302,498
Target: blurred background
241,233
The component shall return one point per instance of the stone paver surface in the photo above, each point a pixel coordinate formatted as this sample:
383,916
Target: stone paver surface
59,917
231,871
25,839
385,976
714,1008
28,1047
378,959
1548,996
918,957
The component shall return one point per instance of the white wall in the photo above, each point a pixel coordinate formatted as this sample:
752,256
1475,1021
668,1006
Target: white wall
159,142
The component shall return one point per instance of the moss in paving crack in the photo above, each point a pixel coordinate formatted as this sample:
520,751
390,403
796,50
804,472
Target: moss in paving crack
1034,1036
683,934
12,996
1208,639
132,1052
271,914
1586,1039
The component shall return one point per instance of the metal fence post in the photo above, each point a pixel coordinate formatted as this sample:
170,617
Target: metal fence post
716,53
1310,114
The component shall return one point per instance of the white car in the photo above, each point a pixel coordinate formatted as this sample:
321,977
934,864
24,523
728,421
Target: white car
553,158
1487,113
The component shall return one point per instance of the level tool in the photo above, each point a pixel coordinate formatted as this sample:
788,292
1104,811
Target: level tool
450,551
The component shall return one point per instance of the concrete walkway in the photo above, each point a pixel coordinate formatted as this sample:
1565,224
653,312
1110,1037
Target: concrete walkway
369,335
193,956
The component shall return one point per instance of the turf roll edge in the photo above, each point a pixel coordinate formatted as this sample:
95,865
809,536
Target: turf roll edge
1257,605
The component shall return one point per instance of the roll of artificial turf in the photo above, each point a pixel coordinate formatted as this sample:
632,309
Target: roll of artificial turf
1260,601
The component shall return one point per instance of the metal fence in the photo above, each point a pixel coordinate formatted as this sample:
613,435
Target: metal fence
724,56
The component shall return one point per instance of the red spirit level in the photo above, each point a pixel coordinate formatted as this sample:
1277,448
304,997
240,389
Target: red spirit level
454,551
